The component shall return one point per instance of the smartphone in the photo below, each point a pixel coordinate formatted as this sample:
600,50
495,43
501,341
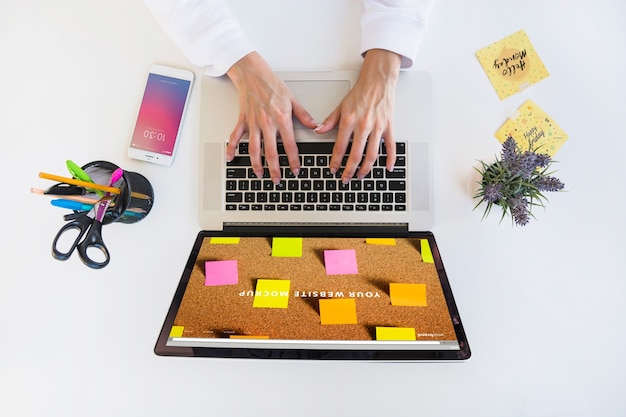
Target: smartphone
161,114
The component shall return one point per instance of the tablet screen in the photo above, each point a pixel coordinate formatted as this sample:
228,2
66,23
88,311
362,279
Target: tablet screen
314,297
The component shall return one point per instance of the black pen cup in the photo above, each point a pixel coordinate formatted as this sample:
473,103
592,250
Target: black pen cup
136,196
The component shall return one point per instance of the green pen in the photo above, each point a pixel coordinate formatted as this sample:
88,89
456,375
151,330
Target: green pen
78,173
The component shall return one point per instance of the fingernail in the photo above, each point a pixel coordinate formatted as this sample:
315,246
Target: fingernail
333,171
391,169
296,171
345,180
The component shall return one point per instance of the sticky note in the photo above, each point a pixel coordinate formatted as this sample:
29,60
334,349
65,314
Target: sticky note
221,273
224,241
512,64
342,261
407,294
381,241
177,331
395,333
427,255
271,293
338,311
287,247
530,124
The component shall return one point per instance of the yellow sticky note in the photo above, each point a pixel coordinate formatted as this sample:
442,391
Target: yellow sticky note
177,331
224,241
271,293
338,311
395,333
287,247
381,241
530,124
427,255
512,64
407,294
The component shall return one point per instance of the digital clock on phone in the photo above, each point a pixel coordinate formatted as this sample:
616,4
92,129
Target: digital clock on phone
161,114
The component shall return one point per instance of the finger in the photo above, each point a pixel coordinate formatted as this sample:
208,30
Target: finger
354,159
330,122
254,149
291,147
234,139
390,148
302,115
371,154
271,154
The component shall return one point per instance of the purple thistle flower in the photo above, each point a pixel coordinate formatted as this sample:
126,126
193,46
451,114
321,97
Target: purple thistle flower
526,164
493,192
543,160
509,152
520,210
548,184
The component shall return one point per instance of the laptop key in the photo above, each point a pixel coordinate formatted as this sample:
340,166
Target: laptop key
234,197
397,185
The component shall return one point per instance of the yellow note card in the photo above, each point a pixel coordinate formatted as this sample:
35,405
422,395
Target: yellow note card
338,311
395,333
413,295
271,293
224,241
427,255
380,241
512,64
177,331
287,247
530,124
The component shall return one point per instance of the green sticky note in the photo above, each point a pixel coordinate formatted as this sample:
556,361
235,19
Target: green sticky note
287,247
395,333
271,293
427,255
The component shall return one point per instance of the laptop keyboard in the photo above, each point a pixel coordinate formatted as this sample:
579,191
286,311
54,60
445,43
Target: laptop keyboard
316,188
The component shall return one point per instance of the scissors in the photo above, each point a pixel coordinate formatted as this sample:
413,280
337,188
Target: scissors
89,225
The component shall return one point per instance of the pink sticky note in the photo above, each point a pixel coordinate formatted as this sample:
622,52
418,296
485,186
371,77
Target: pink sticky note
340,262
221,273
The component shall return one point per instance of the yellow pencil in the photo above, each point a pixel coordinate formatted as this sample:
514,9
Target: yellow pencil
91,185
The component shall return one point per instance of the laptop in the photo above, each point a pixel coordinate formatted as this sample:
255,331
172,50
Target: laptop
312,268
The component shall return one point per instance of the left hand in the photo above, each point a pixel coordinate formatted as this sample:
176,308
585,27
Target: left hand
366,115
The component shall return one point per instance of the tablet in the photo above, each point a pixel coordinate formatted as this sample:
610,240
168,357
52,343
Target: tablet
344,293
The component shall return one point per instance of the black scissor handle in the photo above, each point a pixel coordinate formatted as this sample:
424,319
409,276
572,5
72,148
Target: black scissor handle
93,240
81,224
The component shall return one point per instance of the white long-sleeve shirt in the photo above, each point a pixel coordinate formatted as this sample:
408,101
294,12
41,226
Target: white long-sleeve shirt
209,34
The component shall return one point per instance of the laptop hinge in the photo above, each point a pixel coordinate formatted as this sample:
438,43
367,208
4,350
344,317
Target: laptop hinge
319,229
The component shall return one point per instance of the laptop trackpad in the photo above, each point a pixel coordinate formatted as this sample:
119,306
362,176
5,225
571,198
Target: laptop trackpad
318,97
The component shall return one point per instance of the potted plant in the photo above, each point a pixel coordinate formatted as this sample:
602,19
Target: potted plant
516,182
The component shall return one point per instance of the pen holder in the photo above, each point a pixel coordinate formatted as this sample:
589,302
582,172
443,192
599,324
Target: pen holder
135,199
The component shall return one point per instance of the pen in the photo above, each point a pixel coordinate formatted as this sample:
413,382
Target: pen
83,206
78,173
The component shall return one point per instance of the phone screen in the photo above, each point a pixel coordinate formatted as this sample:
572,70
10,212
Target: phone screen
160,114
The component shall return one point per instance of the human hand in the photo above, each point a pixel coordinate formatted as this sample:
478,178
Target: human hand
266,107
366,114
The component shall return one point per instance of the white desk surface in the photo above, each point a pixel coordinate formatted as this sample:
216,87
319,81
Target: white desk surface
543,305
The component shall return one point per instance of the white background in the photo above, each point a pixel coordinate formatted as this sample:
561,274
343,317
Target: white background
543,305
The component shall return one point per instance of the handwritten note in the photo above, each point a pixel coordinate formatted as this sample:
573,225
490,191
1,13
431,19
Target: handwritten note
512,64
530,124
342,261
395,333
407,295
287,247
338,311
221,273
271,293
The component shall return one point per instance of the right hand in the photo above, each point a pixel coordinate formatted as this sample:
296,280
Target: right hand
266,107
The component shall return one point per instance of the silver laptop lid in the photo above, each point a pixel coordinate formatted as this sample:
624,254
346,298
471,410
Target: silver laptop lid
320,93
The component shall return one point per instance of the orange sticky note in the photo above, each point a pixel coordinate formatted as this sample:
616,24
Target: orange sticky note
271,293
427,255
395,333
411,295
380,241
338,311
177,331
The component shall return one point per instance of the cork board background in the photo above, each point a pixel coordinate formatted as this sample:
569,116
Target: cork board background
227,310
